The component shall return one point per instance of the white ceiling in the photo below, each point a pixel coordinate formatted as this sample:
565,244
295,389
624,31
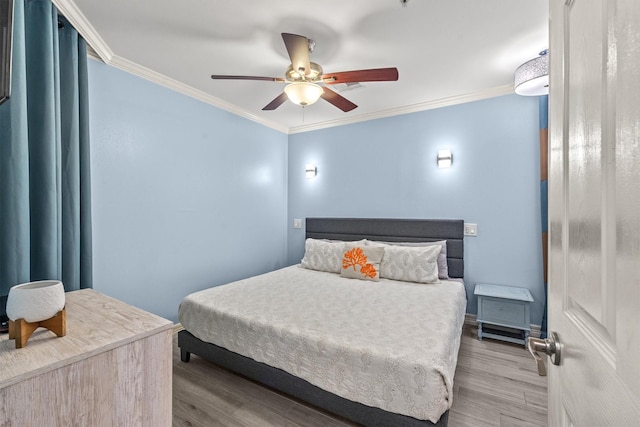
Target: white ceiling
446,51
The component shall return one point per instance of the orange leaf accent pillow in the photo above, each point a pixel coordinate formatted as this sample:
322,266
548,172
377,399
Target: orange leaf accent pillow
362,262
354,257
369,270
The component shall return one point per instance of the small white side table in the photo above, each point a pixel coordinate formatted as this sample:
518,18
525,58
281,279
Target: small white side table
505,306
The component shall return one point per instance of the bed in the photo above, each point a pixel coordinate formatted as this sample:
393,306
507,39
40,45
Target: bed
336,342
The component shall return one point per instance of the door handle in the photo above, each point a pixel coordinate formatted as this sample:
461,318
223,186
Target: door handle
549,346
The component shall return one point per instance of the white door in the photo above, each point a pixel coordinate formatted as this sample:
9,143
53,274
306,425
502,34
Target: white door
594,212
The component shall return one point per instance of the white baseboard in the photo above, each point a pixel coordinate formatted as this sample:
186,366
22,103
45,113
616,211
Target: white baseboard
470,320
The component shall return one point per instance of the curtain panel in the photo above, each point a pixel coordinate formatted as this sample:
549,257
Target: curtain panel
45,206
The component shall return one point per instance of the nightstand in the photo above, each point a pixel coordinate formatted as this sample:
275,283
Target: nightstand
503,312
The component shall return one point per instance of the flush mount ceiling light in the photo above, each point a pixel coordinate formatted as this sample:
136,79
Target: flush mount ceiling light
532,77
303,93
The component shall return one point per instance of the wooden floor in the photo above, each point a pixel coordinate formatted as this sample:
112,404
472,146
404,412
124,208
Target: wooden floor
495,384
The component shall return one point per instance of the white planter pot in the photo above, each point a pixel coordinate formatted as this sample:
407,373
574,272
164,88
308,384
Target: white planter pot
35,301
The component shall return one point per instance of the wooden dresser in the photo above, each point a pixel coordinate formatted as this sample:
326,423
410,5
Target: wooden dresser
113,368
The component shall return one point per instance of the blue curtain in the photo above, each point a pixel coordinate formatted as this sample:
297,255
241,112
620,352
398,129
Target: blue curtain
45,210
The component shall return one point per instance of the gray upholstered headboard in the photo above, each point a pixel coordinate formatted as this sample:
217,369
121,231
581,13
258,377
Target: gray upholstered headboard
396,230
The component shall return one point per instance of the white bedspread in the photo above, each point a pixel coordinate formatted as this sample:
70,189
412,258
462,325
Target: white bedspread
388,344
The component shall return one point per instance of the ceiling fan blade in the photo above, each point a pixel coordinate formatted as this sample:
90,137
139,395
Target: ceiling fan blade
278,101
298,49
268,79
371,75
338,100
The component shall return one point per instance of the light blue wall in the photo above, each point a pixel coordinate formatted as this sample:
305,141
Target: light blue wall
387,168
185,195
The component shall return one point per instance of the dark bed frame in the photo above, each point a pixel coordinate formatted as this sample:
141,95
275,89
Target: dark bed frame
347,229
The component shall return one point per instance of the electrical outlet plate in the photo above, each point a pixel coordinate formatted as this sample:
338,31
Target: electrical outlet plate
297,223
470,229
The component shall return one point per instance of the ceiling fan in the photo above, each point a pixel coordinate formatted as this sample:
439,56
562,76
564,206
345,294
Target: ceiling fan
304,77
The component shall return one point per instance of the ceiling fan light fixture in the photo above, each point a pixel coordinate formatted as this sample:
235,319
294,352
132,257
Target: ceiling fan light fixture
303,93
305,77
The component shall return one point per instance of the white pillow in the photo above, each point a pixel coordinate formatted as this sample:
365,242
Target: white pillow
410,264
443,267
323,255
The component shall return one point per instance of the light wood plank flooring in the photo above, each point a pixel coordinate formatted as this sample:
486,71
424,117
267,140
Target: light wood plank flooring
495,384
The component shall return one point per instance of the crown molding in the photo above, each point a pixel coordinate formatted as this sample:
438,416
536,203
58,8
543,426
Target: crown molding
155,77
414,108
102,52
93,54
161,79
70,11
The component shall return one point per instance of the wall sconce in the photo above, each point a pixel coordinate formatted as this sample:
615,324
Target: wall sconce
444,158
311,171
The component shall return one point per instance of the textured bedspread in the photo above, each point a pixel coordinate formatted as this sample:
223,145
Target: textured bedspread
388,344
